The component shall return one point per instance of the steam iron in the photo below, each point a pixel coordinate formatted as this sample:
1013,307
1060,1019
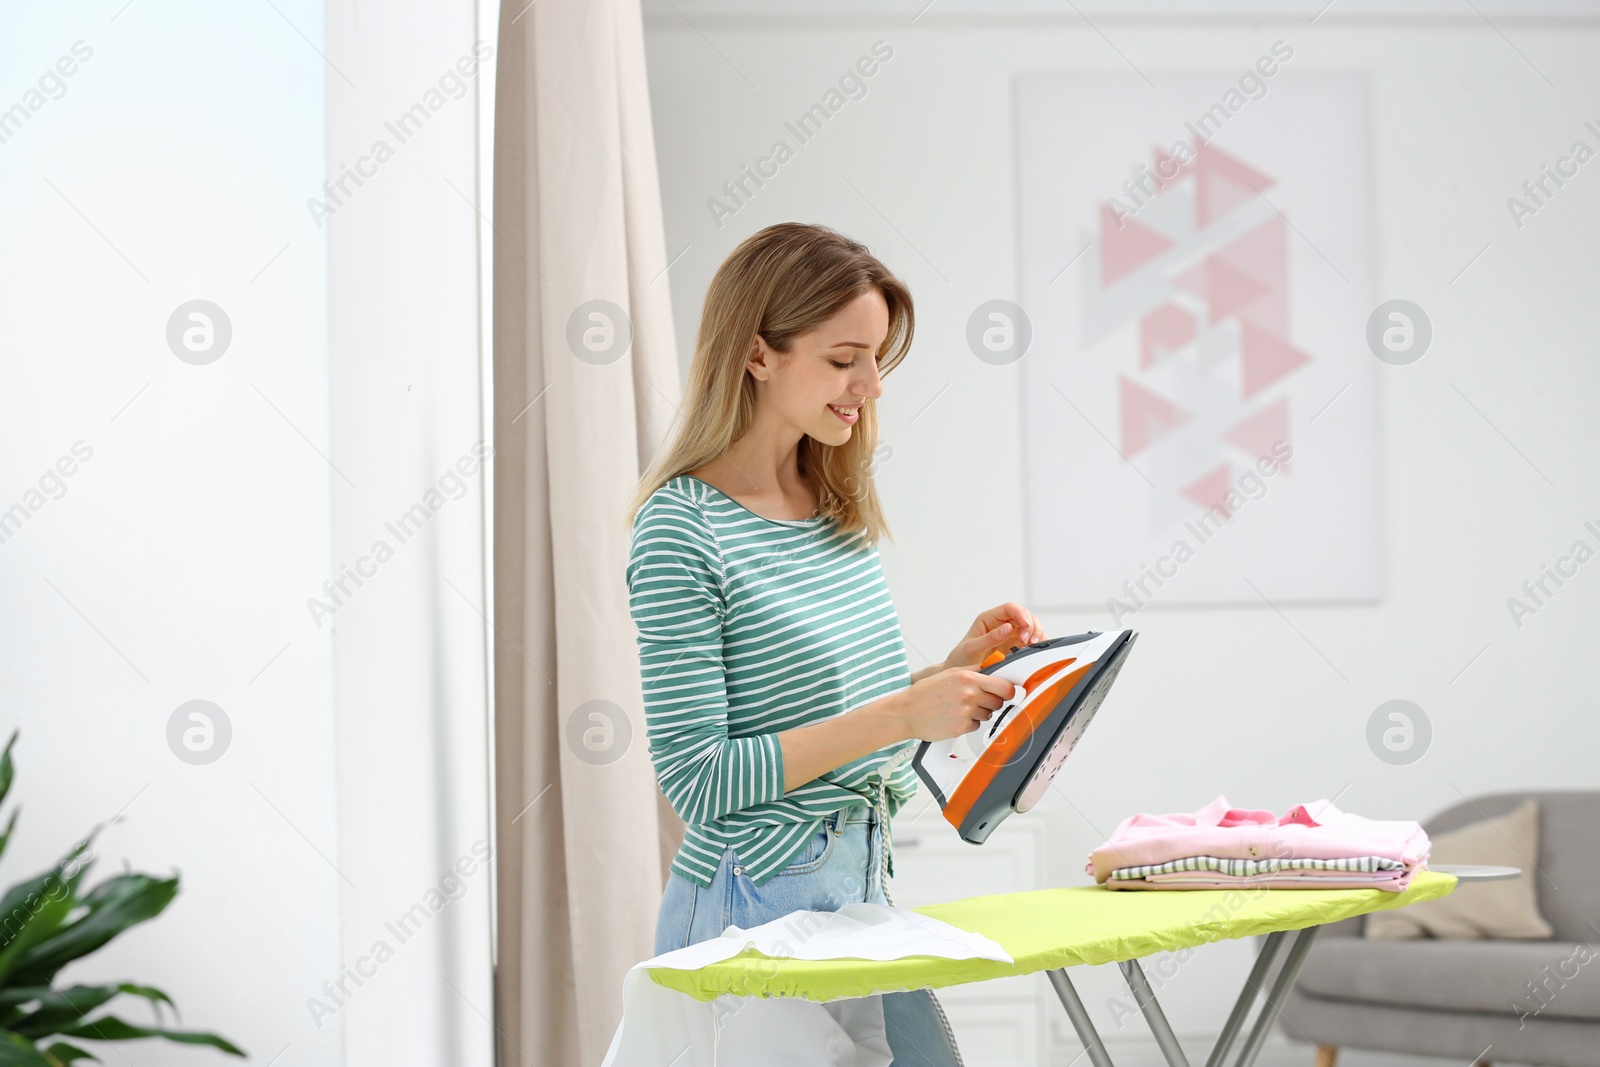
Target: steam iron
1008,762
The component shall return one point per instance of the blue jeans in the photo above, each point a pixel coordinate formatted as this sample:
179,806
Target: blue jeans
842,863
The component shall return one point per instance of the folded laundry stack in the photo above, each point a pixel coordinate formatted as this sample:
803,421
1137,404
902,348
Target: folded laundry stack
1313,846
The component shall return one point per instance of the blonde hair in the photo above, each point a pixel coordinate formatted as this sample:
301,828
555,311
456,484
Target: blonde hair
781,282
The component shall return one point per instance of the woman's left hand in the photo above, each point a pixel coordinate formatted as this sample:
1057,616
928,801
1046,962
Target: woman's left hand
986,635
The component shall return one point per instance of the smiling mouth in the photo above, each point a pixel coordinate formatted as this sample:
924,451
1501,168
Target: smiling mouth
849,414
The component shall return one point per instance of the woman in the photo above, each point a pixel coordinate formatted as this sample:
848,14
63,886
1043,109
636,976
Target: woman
781,711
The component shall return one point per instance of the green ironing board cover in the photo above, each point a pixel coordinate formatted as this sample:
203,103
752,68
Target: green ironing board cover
1050,928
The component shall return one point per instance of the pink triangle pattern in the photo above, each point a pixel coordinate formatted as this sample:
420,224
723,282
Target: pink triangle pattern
1245,279
1146,417
1126,245
1163,331
1266,358
1229,290
1256,435
1193,281
1222,183
1263,255
1210,490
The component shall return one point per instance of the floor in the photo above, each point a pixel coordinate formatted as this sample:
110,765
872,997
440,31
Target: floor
1274,1054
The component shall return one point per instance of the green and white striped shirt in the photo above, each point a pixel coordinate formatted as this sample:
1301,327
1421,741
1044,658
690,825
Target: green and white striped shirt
749,626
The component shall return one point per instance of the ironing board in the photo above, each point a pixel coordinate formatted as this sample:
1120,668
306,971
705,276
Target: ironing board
1053,929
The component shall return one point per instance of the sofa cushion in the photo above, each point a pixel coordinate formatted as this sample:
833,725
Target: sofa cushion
1487,909
1568,878
1552,979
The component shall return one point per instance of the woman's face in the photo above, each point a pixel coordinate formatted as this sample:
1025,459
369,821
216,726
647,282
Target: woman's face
819,385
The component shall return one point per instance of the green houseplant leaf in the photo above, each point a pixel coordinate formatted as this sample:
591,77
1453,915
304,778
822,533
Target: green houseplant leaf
63,1054
18,1051
111,1028
58,1008
48,922
114,905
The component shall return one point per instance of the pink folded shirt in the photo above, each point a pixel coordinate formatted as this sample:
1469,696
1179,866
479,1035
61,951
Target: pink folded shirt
1315,830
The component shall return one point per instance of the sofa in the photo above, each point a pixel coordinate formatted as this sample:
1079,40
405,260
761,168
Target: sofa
1525,1002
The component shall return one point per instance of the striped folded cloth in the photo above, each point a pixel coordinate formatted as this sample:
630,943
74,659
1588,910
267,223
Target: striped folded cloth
1216,872
1363,864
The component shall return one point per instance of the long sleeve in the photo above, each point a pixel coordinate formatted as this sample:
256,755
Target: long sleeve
675,596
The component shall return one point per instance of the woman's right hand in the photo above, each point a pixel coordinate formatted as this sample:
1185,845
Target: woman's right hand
952,702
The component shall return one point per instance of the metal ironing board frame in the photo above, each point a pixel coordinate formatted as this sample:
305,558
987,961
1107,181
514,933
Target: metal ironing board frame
1139,985
1166,1040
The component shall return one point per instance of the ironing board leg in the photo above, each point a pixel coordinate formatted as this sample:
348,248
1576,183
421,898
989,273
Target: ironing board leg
1275,997
1145,997
1080,1018
1165,1039
1246,1001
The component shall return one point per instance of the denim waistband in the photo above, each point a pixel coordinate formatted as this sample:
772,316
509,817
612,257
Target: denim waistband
855,815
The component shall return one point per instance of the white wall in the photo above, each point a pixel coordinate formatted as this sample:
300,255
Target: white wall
175,565
1242,701
179,559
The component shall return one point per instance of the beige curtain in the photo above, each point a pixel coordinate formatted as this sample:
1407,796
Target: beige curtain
582,831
